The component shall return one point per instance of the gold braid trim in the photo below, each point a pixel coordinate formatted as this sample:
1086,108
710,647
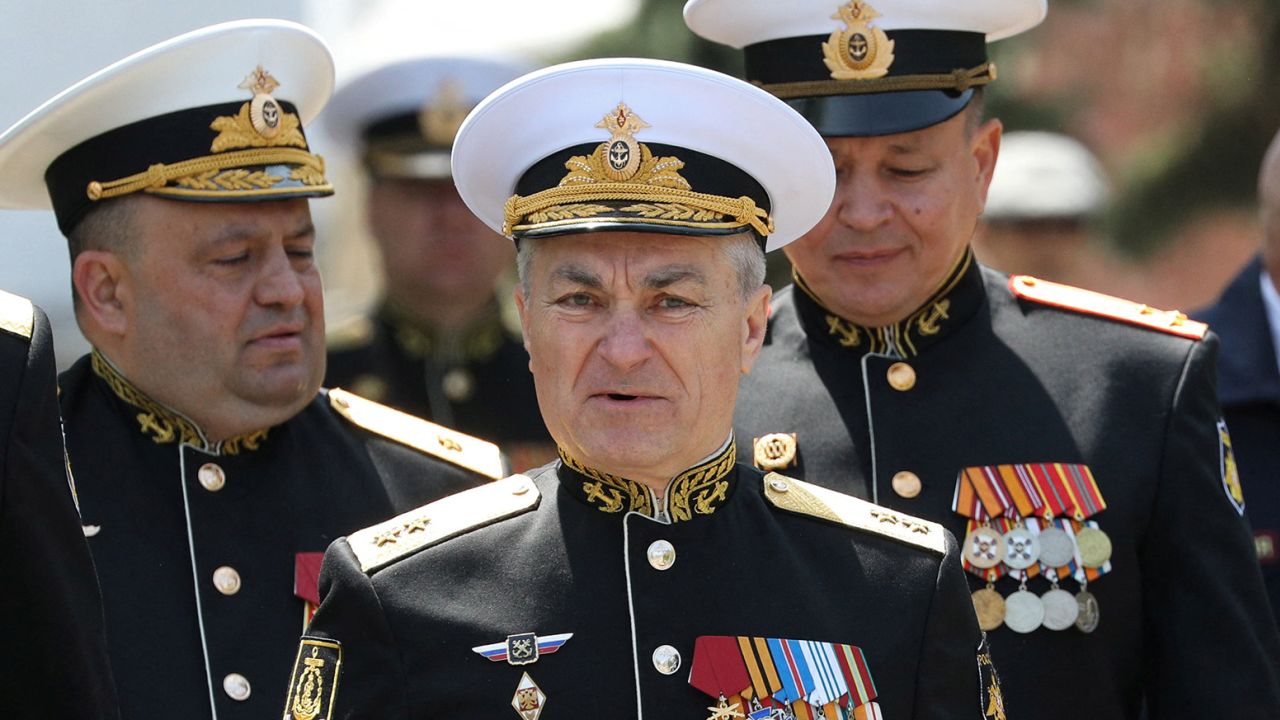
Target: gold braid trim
743,210
165,425
206,174
959,80
610,492
696,491
925,321
703,488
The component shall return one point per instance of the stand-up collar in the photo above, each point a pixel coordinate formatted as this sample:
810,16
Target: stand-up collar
163,424
696,492
956,300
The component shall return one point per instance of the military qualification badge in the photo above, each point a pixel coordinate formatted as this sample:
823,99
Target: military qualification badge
522,648
1028,520
859,51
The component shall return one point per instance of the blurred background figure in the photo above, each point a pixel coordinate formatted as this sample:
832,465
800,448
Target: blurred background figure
1247,319
1043,208
442,342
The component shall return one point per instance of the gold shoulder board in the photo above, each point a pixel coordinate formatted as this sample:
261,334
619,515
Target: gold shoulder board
806,499
1106,306
458,448
386,542
17,315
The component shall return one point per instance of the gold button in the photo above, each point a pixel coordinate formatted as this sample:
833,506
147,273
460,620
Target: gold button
236,686
666,660
1028,281
906,484
227,580
211,477
901,376
662,555
458,385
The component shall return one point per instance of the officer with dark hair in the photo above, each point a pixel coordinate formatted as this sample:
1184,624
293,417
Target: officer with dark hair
213,470
1072,439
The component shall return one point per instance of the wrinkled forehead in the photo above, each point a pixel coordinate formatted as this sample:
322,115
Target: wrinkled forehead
632,259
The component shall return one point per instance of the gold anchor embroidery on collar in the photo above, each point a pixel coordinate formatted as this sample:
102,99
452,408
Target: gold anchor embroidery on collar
696,491
859,51
165,425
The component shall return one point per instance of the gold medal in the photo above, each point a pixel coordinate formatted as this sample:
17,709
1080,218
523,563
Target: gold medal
989,607
1087,621
1095,547
984,548
1023,612
1060,609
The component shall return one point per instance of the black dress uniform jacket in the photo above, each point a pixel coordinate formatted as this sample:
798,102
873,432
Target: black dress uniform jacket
573,555
196,543
1249,389
477,382
999,379
54,659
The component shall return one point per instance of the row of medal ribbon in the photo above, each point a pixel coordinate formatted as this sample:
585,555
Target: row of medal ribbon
783,679
1028,520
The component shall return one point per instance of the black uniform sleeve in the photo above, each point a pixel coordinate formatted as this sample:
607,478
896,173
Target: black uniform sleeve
1212,647
55,663
350,633
951,680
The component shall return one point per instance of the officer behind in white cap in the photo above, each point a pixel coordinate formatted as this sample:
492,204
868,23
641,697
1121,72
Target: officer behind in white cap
211,472
900,370
1046,199
667,579
440,345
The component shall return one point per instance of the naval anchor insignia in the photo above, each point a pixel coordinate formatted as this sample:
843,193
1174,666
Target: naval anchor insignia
522,648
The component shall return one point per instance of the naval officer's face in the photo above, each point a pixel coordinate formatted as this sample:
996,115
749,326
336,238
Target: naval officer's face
227,312
905,208
636,343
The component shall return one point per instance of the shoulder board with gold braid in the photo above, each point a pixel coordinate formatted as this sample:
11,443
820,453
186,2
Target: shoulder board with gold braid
458,448
17,315
1106,306
806,499
378,546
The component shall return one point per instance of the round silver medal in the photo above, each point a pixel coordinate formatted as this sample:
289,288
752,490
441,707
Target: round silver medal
984,548
1087,621
1060,609
1056,547
1023,611
1021,549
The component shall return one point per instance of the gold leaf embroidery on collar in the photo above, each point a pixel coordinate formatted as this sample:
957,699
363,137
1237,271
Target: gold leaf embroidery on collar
700,490
162,424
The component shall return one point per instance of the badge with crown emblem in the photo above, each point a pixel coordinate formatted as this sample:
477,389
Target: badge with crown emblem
264,110
622,152
859,51
439,120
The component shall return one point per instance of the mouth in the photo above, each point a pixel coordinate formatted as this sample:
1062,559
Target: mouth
869,257
280,337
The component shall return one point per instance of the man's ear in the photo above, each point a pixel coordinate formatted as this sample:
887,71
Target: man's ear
755,324
518,291
985,146
100,281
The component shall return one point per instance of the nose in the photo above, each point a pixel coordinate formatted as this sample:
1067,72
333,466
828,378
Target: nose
625,344
280,283
861,203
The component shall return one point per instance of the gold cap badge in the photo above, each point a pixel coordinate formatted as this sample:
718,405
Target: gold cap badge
621,154
440,119
264,111
859,51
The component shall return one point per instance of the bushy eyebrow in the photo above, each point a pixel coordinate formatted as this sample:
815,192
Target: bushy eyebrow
578,276
666,277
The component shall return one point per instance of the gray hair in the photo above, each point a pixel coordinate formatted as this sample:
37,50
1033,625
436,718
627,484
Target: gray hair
743,250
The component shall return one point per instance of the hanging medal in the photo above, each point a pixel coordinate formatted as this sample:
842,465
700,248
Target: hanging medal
979,499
